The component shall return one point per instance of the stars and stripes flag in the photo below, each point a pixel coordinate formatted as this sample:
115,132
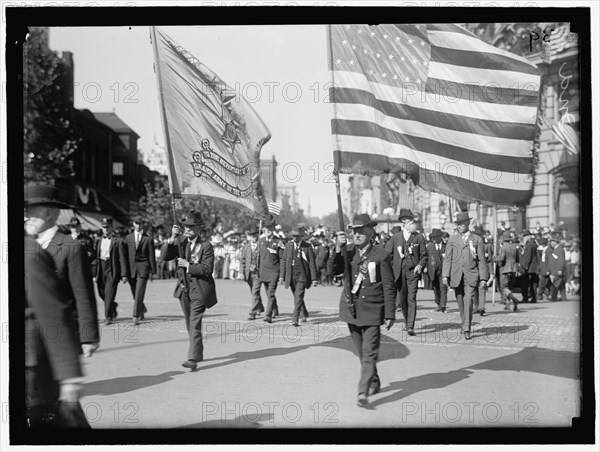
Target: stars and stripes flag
214,137
436,102
273,208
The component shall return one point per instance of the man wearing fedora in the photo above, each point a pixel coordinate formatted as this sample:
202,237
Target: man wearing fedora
298,272
270,250
544,256
70,261
249,269
479,297
464,268
508,260
435,256
108,269
138,264
409,258
371,302
558,269
195,288
528,262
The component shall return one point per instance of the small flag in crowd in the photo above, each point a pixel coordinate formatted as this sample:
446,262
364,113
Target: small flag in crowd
214,137
436,102
274,208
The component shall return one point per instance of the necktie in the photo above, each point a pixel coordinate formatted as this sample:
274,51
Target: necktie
137,239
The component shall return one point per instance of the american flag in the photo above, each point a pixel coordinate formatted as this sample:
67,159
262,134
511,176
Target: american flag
436,102
274,208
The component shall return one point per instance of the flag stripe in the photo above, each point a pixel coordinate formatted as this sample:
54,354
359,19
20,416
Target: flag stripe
433,147
432,180
409,94
435,118
472,141
469,75
516,179
481,60
479,93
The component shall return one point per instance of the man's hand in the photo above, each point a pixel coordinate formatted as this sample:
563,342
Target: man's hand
482,284
124,279
389,323
445,281
151,277
425,270
315,283
69,392
281,281
341,241
182,262
89,348
418,270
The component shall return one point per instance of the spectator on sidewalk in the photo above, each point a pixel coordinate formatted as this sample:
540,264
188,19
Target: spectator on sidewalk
508,260
557,269
544,256
528,263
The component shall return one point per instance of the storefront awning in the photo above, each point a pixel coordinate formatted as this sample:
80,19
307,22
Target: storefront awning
90,221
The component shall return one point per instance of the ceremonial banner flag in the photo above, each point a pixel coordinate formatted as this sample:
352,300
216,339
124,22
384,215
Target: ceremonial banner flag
214,137
436,102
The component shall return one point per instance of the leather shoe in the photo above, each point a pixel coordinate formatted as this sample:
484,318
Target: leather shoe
482,313
190,364
362,400
268,320
410,332
438,309
375,389
108,321
136,320
251,317
295,324
468,335
303,319
275,312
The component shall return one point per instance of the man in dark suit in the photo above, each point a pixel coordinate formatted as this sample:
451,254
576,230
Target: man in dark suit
138,264
464,268
435,256
52,366
108,270
528,262
544,256
83,238
298,271
508,260
409,258
480,294
270,250
321,252
558,269
70,261
249,269
195,283
371,301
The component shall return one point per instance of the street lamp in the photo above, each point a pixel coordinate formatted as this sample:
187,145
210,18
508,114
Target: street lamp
388,211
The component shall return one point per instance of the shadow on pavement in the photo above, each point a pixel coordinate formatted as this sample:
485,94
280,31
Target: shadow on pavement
126,384
562,364
247,421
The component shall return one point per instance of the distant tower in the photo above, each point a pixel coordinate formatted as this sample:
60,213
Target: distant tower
308,208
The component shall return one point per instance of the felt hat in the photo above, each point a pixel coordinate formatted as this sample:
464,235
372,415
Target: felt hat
362,220
43,195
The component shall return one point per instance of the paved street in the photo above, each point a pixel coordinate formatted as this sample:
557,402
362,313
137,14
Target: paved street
521,369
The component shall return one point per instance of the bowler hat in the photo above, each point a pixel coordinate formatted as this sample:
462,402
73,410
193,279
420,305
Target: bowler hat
435,233
193,219
74,222
296,232
527,232
106,222
139,219
554,238
405,213
253,230
478,230
506,236
43,195
362,220
462,216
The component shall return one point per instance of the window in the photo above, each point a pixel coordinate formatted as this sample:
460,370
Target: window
118,169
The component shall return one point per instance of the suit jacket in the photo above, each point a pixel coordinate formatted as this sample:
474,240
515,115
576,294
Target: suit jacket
465,260
246,259
414,250
508,258
199,277
308,267
375,299
114,259
137,262
47,309
269,259
74,272
435,258
544,260
321,256
557,261
529,258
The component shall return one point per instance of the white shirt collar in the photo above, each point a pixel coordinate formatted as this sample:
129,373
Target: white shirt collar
44,237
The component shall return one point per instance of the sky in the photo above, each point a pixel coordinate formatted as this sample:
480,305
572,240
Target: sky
281,70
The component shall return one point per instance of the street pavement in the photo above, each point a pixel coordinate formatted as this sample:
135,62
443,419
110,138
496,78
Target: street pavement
520,370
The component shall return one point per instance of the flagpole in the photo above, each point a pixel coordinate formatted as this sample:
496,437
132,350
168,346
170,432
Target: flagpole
347,269
495,244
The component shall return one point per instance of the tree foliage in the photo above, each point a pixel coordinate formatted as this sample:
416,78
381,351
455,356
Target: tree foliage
49,134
